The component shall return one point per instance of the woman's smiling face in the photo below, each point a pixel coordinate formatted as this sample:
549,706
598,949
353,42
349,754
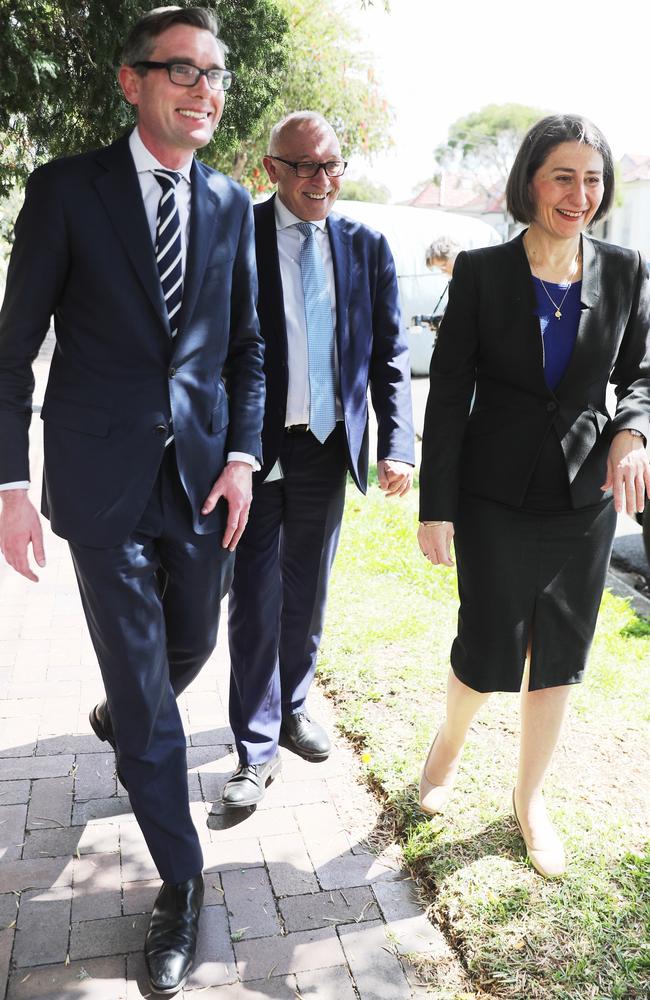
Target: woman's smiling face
567,189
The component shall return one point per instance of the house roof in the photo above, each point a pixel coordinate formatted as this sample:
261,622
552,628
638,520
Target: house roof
635,167
456,192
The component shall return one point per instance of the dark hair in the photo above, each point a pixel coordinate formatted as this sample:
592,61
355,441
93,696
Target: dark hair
142,37
538,143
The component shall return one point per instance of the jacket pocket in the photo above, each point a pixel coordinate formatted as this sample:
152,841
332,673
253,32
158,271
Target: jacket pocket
76,416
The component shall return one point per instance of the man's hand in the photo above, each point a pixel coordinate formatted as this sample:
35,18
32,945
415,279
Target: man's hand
395,478
19,526
235,485
435,542
628,473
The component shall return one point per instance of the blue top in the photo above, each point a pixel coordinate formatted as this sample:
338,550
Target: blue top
558,335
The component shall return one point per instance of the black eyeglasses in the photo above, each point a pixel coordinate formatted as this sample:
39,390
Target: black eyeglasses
306,168
187,75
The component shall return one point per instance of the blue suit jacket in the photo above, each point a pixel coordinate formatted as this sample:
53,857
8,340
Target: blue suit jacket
371,343
83,253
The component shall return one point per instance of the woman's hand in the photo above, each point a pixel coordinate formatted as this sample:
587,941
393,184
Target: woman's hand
628,473
435,542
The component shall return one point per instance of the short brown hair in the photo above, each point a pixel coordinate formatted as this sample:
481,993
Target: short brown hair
142,37
538,143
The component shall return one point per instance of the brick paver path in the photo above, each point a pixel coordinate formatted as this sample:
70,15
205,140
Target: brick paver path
297,905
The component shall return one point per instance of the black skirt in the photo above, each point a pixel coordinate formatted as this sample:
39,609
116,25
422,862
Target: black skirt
534,573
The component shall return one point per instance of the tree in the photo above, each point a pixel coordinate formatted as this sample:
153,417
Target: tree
325,73
363,189
486,142
58,92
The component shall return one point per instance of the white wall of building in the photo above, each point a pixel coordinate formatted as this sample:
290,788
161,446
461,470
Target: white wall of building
629,223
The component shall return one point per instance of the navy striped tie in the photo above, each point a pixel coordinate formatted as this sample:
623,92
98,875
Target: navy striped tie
169,253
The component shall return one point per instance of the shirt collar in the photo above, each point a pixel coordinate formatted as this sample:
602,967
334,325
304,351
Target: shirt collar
146,161
284,218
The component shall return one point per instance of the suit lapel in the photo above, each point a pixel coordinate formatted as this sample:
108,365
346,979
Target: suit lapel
270,278
204,209
120,193
526,306
585,344
341,246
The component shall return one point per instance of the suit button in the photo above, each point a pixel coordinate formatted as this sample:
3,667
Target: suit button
172,372
551,407
160,429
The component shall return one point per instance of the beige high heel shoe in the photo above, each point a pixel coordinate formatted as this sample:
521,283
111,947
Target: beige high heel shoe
548,861
433,798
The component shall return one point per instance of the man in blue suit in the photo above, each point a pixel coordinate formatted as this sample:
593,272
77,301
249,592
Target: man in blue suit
329,316
152,414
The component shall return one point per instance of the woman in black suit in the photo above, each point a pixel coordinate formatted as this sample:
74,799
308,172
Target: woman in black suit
529,482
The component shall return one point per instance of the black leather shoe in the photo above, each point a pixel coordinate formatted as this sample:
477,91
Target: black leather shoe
305,736
248,783
171,939
100,720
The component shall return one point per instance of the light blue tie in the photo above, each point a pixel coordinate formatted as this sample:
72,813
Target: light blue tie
320,336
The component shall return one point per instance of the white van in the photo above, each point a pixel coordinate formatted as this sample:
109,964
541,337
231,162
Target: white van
409,232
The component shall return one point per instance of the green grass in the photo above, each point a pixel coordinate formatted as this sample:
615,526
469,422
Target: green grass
391,620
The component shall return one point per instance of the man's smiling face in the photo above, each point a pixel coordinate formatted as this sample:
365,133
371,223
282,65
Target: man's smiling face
310,198
173,121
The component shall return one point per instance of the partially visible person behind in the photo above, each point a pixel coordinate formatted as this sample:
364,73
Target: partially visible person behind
330,318
152,420
441,254
529,484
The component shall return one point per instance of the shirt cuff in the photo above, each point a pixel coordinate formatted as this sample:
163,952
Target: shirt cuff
241,456
14,486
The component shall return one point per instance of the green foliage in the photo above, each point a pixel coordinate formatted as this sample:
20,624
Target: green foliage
363,189
487,141
59,94
327,73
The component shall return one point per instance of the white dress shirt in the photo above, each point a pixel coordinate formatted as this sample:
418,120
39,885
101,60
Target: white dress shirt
145,163
289,241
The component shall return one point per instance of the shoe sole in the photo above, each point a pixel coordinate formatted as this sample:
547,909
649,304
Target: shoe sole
286,741
98,729
167,993
275,770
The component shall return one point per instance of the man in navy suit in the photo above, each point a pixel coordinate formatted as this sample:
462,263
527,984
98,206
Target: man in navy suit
152,419
329,316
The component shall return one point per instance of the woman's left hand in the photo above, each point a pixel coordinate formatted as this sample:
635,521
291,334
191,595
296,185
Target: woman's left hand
628,473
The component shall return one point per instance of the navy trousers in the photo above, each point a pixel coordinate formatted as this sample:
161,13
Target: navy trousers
277,601
152,607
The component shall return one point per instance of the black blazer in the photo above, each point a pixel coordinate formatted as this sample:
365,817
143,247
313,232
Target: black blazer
83,253
490,342
371,344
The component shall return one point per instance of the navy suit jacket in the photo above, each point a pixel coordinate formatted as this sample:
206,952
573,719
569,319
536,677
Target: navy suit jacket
490,342
83,253
371,344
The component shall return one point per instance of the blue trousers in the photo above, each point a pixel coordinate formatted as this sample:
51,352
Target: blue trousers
279,591
152,607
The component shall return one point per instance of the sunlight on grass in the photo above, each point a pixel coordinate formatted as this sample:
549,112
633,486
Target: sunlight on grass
391,620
